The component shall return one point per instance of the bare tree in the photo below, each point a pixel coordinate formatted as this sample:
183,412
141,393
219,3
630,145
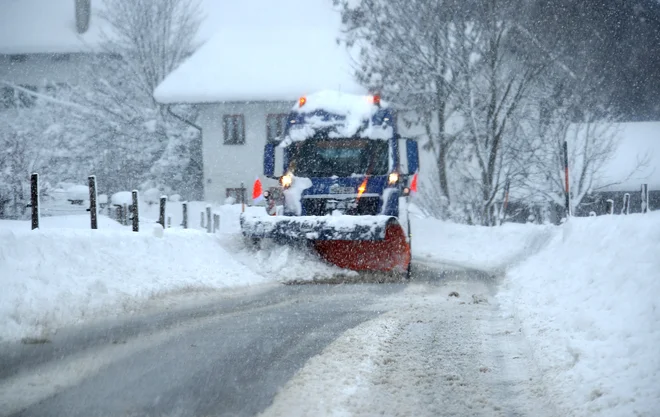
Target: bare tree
591,145
143,41
495,85
405,51
150,37
35,137
569,111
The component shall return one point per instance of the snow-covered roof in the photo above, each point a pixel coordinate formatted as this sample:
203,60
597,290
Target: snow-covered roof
34,26
638,141
49,26
274,51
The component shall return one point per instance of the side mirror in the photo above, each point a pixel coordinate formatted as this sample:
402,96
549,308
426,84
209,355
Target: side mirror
412,155
269,160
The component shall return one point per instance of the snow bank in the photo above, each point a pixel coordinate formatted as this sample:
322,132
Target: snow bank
55,277
489,249
78,221
589,305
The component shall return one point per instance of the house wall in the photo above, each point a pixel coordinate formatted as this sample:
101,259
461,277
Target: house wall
38,69
226,166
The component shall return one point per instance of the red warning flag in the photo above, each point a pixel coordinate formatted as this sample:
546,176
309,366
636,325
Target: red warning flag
257,191
413,183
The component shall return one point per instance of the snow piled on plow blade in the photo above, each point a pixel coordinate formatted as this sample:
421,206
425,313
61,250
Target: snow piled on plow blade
316,227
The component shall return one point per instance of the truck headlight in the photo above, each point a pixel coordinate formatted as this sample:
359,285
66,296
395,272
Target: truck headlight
286,180
393,178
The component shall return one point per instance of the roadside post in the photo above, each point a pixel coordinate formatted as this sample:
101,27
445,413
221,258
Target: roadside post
566,187
161,210
93,214
645,198
626,204
209,223
184,222
610,206
136,218
34,199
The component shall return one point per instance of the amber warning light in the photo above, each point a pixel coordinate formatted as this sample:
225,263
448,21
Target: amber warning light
362,188
302,101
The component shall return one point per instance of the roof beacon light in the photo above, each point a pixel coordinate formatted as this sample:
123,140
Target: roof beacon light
375,99
302,101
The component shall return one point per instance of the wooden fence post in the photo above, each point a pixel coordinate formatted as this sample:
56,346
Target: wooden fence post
169,222
626,204
136,214
645,198
201,219
566,186
610,206
216,222
184,222
34,199
209,224
92,202
126,212
161,210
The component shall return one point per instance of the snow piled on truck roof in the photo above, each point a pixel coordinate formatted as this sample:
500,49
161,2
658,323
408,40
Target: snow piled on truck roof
345,115
261,58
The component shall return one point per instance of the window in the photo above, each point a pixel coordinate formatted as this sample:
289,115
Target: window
236,194
7,98
234,129
18,58
26,99
60,57
341,157
275,125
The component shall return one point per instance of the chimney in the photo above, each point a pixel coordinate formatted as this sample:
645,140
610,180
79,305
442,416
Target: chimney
83,12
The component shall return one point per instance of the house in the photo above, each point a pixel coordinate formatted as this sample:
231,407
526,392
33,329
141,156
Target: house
248,76
49,42
636,161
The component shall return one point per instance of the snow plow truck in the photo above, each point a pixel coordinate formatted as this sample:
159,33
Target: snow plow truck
342,183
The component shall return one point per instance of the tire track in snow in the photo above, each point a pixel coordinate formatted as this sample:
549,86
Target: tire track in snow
432,355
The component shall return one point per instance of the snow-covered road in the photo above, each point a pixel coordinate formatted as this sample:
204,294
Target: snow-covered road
385,349
442,349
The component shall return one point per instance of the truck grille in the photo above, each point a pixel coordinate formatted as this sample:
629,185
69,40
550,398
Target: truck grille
319,207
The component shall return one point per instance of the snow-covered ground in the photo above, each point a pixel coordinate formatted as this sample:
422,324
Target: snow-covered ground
589,303
488,249
580,299
56,277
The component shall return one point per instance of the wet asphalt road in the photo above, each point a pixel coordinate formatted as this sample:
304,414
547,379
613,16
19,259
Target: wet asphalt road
227,357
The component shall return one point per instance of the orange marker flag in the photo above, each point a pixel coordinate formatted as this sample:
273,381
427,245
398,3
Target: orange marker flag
413,183
257,191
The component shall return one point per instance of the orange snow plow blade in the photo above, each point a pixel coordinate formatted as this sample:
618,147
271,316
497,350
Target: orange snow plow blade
391,253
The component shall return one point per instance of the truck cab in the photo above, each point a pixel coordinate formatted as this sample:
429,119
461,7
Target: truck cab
340,155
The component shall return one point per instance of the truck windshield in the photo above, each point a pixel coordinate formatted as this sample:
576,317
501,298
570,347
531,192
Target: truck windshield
340,157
